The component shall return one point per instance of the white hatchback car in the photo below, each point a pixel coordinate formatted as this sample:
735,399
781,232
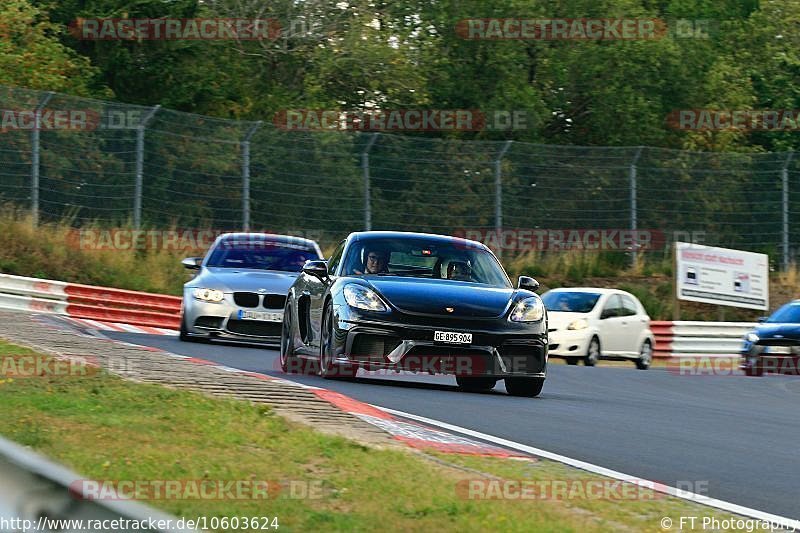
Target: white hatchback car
587,324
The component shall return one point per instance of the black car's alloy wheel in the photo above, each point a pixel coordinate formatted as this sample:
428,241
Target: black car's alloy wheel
328,368
290,363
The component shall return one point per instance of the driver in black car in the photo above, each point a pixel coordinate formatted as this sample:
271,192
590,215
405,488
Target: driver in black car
376,262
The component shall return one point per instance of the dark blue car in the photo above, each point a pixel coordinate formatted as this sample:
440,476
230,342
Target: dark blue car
416,302
774,345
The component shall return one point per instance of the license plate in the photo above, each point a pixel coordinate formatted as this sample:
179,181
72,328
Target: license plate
263,316
452,337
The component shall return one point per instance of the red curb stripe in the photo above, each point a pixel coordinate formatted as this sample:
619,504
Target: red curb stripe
349,405
463,449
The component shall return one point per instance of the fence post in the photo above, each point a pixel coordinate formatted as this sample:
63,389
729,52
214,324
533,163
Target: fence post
498,196
367,189
633,200
785,209
246,175
137,193
35,153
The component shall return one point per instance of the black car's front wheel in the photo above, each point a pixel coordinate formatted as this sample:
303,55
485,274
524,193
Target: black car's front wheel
475,384
328,368
290,363
526,387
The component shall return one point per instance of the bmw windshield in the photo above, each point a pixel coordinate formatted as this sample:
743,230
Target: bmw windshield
267,255
418,257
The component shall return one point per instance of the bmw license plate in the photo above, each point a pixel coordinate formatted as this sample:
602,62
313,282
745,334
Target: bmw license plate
452,337
263,316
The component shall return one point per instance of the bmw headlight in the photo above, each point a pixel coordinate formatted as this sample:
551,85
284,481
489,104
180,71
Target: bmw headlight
528,310
208,295
581,323
751,337
362,297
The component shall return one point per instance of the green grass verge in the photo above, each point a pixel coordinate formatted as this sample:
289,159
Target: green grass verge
106,428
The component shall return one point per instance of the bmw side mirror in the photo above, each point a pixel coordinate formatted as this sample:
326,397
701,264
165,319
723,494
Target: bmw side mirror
528,283
317,269
762,319
192,263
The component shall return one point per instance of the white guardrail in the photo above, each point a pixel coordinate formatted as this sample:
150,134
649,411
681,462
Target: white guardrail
695,338
35,493
34,295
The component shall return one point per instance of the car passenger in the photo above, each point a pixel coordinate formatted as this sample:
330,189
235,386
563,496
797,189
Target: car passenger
459,271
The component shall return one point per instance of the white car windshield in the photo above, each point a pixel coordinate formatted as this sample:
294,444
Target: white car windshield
573,302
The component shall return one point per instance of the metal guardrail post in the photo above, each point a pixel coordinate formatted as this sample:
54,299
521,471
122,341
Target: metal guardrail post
633,202
785,209
35,155
367,188
498,195
137,195
246,175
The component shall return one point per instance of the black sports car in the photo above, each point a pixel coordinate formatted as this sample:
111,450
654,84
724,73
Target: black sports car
774,346
417,302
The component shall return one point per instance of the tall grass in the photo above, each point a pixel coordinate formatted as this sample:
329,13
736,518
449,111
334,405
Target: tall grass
50,251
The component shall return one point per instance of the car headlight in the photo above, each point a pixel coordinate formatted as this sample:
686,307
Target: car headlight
528,310
208,295
581,323
751,337
361,297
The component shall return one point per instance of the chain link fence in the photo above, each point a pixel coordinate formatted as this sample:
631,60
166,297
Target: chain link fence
154,168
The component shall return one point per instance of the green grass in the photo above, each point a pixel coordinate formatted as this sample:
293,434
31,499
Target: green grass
109,429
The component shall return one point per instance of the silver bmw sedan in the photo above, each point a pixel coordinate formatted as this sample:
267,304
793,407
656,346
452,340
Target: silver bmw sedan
239,291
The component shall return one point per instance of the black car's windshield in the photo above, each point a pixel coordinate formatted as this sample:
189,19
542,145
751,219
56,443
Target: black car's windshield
575,302
284,257
788,314
418,257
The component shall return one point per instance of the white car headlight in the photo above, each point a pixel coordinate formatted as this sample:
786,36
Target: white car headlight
208,295
581,323
528,310
362,297
751,337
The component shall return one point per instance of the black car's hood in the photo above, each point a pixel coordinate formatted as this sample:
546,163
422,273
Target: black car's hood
433,297
772,331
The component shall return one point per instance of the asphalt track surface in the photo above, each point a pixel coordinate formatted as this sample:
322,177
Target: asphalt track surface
733,438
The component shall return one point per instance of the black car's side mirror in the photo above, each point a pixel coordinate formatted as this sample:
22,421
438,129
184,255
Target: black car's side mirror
317,269
192,263
528,283
762,319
